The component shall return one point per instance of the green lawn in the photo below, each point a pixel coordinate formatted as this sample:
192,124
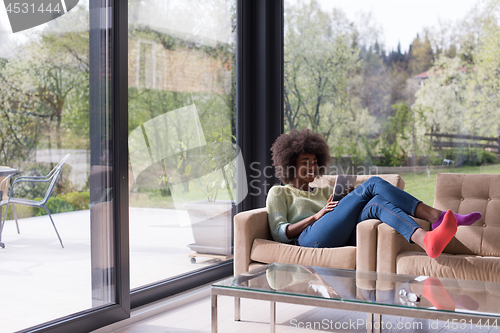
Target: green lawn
423,185
154,199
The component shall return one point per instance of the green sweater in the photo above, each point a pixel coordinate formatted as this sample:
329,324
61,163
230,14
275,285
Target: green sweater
287,205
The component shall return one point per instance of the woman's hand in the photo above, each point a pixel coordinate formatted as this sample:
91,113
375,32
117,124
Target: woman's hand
294,230
347,191
330,205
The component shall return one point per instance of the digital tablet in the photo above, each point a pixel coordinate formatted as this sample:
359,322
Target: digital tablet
343,183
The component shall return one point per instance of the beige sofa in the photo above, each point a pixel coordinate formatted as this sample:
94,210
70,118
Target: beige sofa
254,247
474,252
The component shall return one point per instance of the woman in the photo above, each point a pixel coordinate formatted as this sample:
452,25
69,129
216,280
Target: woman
307,216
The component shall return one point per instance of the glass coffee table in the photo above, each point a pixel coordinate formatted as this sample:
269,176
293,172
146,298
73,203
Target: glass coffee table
460,304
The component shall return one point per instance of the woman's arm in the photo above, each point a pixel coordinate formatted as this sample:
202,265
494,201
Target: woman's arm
294,230
277,213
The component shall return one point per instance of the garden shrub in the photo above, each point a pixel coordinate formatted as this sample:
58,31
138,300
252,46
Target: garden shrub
22,212
57,205
79,200
69,202
471,157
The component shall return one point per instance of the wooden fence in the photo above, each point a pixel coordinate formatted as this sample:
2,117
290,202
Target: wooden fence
440,140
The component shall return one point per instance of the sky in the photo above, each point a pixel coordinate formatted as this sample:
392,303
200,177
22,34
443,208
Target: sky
401,20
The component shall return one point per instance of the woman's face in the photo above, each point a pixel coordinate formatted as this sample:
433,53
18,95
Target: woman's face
307,167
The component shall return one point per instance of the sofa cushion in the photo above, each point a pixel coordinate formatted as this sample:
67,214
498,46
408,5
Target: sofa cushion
267,251
455,266
255,265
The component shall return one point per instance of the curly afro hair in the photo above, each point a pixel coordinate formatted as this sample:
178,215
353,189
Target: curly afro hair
288,147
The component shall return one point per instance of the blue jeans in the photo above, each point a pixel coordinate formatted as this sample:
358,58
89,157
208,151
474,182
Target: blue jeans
372,199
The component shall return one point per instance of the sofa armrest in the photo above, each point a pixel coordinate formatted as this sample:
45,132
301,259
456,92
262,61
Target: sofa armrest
248,226
366,253
391,243
366,245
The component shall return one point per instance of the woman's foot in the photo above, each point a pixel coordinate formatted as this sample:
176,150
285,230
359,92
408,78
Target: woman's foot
436,240
461,219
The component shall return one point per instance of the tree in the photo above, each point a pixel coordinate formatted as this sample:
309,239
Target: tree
443,38
48,80
394,136
443,96
319,59
371,87
19,119
472,28
483,95
421,55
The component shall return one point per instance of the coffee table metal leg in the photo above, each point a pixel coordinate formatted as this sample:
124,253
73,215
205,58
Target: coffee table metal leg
237,305
273,317
369,323
377,323
214,313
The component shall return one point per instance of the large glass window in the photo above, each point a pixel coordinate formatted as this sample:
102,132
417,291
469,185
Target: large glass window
56,189
182,127
395,92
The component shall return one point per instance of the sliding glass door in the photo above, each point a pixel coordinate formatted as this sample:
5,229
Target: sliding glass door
62,248
133,105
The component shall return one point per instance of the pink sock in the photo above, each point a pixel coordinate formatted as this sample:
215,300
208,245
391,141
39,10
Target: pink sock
461,219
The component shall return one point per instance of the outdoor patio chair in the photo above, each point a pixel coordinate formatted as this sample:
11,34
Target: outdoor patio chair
51,178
